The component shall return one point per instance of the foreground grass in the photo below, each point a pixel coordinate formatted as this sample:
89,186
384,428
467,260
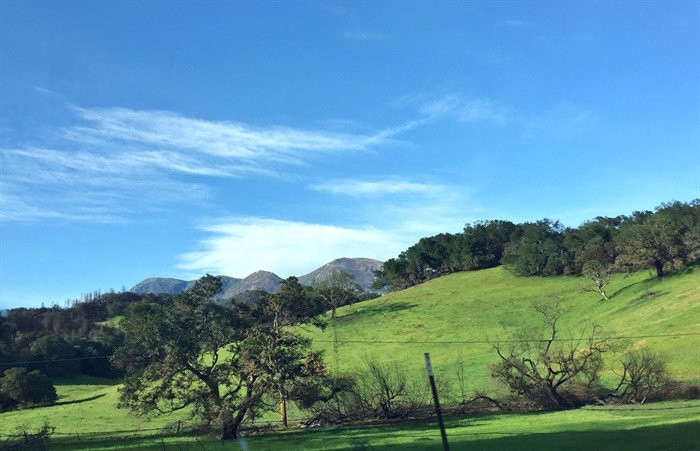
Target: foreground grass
86,406
662,426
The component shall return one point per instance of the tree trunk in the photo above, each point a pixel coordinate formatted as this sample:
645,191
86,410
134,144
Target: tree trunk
554,396
659,265
283,412
229,428
230,424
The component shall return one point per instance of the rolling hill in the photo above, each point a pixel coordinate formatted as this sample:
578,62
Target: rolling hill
458,318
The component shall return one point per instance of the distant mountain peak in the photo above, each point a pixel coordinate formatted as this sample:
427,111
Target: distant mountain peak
362,270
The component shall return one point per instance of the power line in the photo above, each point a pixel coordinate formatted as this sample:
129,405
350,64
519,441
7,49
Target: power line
28,362
486,341
398,342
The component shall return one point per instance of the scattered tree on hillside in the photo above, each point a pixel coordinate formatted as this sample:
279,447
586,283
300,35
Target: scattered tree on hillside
73,339
172,353
394,275
666,239
337,290
542,367
291,305
52,347
599,274
286,365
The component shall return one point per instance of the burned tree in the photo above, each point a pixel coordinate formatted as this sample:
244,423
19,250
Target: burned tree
542,367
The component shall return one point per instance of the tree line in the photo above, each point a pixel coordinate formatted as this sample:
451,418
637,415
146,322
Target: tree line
665,239
38,345
68,337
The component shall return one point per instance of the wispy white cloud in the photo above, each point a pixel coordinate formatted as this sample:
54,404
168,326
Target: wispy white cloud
514,23
562,121
42,90
114,157
361,35
481,110
464,109
240,246
23,208
374,188
406,207
220,139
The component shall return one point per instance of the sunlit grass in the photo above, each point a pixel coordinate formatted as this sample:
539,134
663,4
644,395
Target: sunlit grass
662,426
473,310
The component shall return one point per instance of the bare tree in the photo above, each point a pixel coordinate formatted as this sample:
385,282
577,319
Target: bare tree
599,274
385,385
338,290
461,377
644,375
542,367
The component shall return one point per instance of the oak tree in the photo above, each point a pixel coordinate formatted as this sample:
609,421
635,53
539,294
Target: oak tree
187,354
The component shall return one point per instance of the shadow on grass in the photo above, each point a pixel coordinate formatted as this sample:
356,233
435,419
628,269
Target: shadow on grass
88,380
635,286
376,310
683,436
78,401
652,281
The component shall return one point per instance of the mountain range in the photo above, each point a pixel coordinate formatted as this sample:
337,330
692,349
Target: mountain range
362,269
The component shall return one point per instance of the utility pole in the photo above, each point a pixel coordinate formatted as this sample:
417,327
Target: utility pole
445,445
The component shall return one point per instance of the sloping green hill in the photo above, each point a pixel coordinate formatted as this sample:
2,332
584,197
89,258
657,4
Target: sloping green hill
457,318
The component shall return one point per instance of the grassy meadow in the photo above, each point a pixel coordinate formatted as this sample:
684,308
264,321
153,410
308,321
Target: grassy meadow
660,426
456,318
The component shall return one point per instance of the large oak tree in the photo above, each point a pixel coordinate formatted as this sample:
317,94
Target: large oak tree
193,353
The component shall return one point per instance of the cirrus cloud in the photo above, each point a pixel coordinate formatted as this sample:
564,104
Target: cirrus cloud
113,160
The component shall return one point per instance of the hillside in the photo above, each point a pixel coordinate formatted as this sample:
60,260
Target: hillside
160,285
458,317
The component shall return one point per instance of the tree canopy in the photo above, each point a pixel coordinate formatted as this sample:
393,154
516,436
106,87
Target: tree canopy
665,239
218,361
19,388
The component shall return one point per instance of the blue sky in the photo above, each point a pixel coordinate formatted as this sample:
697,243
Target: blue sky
173,139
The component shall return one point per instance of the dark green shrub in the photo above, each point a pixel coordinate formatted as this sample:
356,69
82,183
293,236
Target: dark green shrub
27,388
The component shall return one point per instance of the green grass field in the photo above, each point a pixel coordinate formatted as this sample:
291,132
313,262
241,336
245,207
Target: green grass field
455,318
660,426
470,311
